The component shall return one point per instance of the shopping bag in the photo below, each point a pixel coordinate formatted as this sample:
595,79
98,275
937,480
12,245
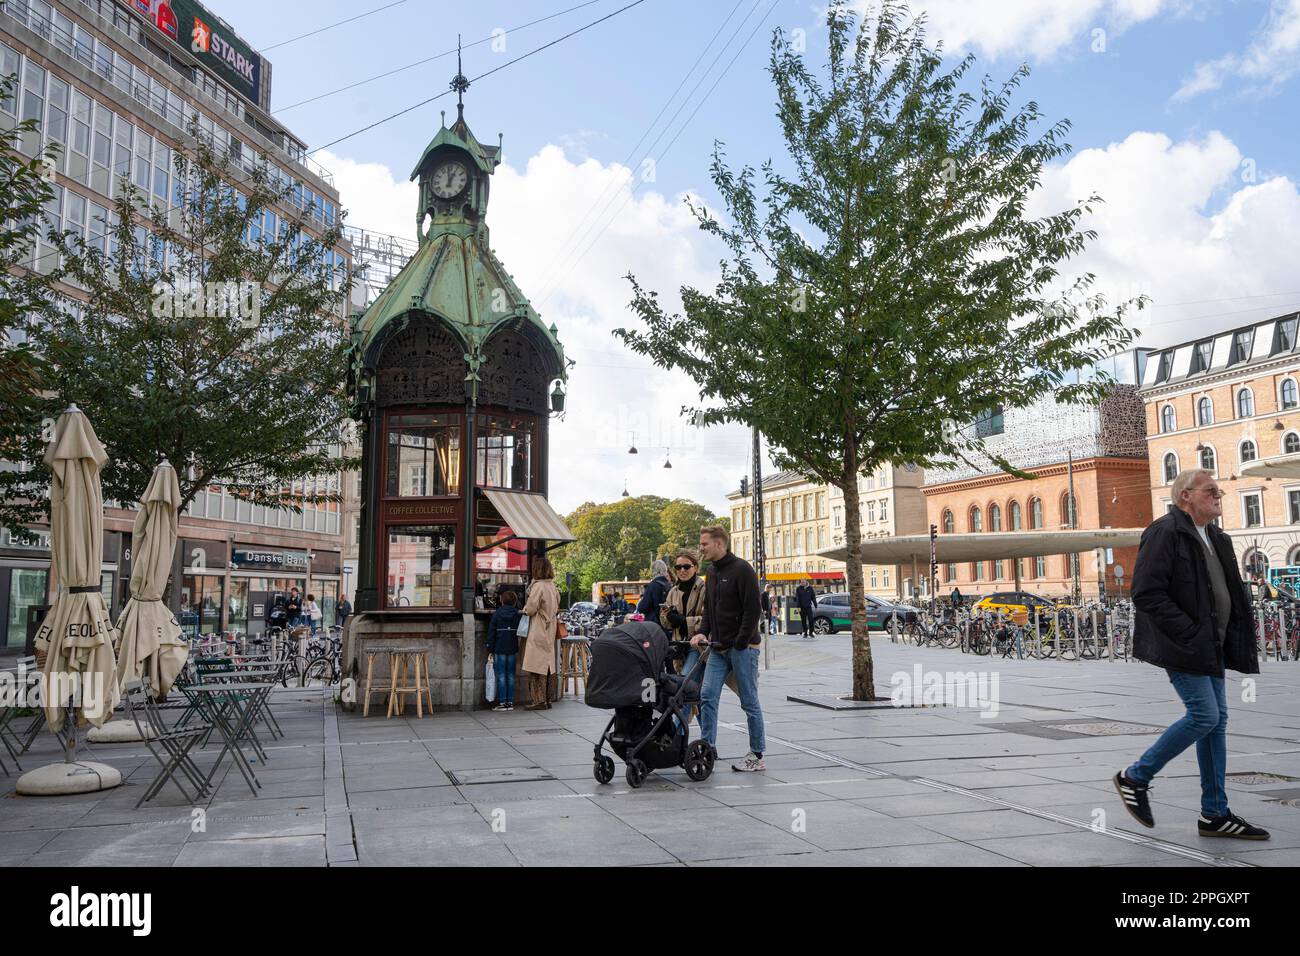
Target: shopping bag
490,675
522,630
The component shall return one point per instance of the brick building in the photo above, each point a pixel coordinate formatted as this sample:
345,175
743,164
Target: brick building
1223,401
1107,442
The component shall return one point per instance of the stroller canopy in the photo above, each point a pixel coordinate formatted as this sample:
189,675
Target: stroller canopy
623,660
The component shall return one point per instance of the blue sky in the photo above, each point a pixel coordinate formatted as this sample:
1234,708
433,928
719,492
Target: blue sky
1184,116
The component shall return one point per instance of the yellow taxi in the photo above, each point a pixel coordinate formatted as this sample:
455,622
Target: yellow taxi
1018,605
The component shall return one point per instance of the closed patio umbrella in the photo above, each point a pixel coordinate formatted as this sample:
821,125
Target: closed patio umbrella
150,645
77,633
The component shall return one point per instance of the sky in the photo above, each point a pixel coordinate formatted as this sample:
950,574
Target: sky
1184,119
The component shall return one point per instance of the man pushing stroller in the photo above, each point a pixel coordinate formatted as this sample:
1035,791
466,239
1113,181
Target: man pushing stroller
732,610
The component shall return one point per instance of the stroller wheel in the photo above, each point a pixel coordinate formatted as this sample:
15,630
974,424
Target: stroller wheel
603,769
636,772
698,762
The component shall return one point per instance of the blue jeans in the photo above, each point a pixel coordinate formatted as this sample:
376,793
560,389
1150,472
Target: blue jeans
744,664
503,666
1206,725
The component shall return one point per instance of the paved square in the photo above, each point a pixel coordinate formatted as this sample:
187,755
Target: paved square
1024,784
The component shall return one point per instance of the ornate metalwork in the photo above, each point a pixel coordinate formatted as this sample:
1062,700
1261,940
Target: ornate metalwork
421,365
513,374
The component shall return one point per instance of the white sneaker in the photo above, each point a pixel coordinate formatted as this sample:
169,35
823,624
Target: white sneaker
750,764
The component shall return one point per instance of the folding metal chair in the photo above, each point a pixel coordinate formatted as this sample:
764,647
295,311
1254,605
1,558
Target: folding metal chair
171,748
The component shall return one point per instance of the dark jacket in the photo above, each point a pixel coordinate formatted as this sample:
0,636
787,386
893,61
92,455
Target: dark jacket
731,603
806,597
1176,625
343,610
294,606
503,631
652,598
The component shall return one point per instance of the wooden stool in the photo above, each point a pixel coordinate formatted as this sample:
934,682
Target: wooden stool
369,688
401,684
575,657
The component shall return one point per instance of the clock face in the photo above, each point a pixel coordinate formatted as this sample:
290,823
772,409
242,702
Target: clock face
449,179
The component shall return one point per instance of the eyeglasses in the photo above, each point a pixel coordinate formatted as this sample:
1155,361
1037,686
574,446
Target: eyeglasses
683,567
1214,492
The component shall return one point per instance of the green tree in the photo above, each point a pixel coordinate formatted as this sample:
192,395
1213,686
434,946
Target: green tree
205,339
27,300
629,530
892,282
680,521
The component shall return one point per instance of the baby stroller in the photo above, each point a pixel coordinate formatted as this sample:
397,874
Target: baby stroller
630,672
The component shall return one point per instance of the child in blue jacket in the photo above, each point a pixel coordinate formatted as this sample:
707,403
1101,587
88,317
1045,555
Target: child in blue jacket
502,646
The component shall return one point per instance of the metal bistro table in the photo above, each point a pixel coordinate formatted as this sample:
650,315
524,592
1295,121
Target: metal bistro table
232,708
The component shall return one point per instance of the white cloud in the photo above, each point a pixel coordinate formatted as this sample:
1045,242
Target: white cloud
1272,58
1183,223
1040,29
540,217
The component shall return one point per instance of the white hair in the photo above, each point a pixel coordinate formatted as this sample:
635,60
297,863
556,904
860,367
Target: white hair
1186,479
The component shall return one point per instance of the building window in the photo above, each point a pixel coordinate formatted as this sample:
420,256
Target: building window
884,509
1035,514
1255,563
1170,468
1290,395
1201,356
1284,336
1015,515
1040,567
1293,507
423,455
1204,411
1252,510
977,571
1245,403
950,573
1166,368
1241,344
421,566
1168,421
1208,461
988,423
998,569
1069,510
947,522
1290,443
1248,451
873,578
976,522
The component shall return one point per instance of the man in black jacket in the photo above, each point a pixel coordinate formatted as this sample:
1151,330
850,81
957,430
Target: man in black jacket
731,614
806,597
1193,619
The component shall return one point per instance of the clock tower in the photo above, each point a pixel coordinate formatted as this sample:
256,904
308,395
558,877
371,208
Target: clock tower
453,380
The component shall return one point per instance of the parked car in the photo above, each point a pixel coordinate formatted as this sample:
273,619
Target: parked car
1019,605
832,613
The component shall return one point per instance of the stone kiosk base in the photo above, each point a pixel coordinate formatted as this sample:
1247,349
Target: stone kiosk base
457,657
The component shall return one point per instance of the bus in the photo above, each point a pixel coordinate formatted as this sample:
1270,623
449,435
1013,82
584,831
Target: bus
630,591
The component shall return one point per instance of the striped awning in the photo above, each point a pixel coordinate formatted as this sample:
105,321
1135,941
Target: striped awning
529,515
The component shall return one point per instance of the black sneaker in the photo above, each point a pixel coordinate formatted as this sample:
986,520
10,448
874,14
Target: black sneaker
1229,825
1135,800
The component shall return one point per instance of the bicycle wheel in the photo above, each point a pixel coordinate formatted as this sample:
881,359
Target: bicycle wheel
947,635
319,673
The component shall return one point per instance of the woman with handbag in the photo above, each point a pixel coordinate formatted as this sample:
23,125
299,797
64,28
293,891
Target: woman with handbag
541,609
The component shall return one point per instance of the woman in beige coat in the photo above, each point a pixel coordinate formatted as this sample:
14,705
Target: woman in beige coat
542,606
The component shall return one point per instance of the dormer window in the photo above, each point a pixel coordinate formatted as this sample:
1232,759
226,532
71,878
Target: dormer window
1201,355
1241,345
1284,336
1166,367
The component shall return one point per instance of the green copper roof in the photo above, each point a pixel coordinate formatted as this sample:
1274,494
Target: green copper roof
455,277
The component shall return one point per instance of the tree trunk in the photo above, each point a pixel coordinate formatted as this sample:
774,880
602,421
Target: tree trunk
864,682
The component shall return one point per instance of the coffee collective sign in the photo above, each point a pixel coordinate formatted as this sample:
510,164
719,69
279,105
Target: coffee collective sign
210,39
269,560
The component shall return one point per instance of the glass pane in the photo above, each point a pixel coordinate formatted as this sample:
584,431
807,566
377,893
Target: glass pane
421,566
26,589
505,452
423,455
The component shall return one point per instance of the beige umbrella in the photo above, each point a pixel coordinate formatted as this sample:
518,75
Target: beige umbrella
150,645
77,633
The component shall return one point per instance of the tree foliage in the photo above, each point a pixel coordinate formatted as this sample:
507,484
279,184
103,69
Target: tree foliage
27,300
250,393
892,284
622,538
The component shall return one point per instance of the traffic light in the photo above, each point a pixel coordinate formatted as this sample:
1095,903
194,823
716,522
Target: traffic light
744,487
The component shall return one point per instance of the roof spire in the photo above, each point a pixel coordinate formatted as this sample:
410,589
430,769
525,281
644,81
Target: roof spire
460,84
